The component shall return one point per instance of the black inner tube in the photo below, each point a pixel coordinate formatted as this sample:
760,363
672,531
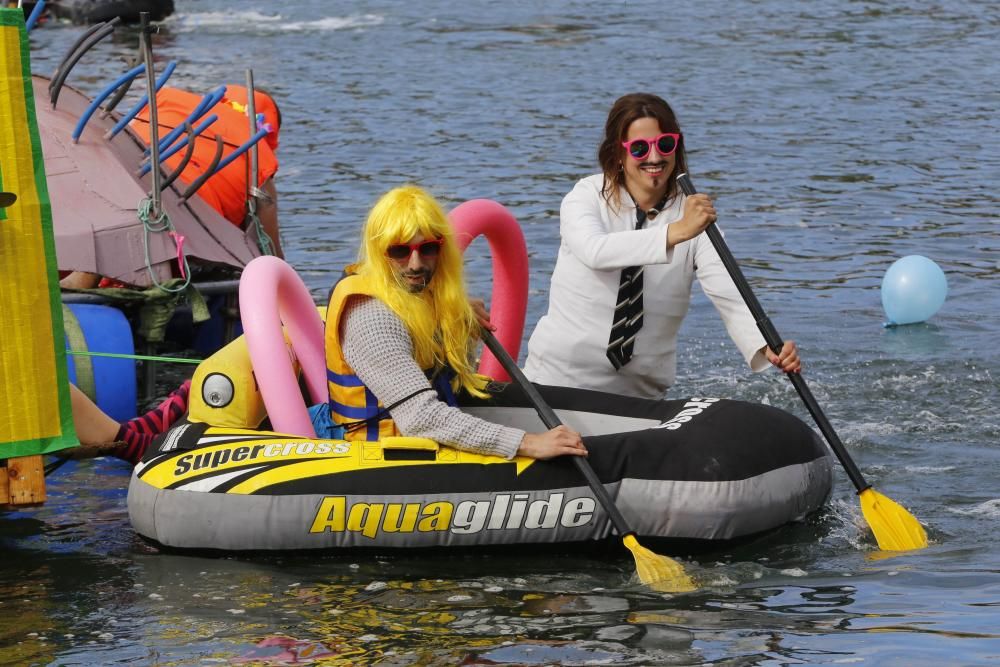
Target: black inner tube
90,31
119,94
187,158
193,188
64,71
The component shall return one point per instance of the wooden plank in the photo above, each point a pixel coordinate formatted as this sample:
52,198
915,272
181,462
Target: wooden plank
22,482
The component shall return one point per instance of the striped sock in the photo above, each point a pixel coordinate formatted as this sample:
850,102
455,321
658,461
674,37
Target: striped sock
136,443
138,433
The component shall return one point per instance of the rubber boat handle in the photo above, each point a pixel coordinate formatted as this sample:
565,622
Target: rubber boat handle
33,17
141,104
206,103
410,443
184,161
551,420
198,182
774,341
70,62
186,141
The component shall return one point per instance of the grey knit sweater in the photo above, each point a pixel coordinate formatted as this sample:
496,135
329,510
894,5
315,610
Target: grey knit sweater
379,348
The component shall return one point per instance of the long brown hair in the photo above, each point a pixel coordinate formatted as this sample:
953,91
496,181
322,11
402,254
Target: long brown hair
625,111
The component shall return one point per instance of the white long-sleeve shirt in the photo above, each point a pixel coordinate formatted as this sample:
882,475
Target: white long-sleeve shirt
569,344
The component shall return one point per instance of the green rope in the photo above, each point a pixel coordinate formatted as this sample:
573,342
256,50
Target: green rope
140,357
160,224
253,220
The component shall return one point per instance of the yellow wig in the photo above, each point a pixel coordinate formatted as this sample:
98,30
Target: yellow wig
440,320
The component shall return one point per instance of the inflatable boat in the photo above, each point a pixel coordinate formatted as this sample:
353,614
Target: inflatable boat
245,471
95,11
695,469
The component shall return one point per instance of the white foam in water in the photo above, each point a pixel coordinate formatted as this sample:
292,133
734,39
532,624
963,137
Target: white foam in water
794,572
930,469
854,431
990,509
256,21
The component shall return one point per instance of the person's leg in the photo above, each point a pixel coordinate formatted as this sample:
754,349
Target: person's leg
80,280
94,428
138,433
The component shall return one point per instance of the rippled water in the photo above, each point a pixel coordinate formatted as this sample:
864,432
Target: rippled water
834,137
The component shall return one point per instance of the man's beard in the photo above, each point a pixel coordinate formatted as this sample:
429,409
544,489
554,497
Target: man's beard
418,287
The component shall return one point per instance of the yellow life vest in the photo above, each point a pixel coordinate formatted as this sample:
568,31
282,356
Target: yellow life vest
351,402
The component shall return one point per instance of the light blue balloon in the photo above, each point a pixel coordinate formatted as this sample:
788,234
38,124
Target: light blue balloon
913,289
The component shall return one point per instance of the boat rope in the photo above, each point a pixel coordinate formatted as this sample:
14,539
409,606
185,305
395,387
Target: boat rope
162,224
139,357
253,221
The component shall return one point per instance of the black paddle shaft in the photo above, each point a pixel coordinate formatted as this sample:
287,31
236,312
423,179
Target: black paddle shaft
773,340
551,421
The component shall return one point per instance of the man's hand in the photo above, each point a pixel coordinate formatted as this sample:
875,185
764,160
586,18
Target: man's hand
483,315
559,441
699,213
788,361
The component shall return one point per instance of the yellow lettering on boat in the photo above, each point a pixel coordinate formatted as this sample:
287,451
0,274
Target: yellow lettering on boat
330,515
365,518
436,516
545,510
409,513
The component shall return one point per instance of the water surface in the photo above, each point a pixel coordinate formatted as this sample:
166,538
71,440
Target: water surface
834,139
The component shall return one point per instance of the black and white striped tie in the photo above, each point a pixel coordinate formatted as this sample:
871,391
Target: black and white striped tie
628,310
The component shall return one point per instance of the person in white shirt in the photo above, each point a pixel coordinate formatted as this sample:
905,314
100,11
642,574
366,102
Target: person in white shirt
632,245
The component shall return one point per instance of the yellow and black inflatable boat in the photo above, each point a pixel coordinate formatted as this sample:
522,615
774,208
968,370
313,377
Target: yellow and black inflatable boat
694,469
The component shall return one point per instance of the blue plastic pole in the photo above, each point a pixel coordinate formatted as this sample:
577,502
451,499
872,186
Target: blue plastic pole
241,150
104,94
143,101
180,144
206,103
33,17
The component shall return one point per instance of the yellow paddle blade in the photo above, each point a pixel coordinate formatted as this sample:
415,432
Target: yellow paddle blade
895,529
662,573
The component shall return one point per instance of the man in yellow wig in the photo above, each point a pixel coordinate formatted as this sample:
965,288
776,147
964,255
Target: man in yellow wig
400,333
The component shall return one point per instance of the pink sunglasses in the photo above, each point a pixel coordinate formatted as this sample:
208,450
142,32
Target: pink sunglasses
665,144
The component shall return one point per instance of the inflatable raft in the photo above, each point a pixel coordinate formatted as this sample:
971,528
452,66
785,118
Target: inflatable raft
246,472
95,11
695,469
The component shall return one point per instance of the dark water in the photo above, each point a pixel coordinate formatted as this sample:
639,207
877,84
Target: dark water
835,138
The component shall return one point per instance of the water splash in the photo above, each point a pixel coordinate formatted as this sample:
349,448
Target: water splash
242,22
989,509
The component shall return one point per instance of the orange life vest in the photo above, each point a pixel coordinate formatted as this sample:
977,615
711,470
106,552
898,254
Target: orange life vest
226,192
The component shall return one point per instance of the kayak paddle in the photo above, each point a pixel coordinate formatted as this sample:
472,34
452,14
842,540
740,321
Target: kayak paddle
664,574
895,528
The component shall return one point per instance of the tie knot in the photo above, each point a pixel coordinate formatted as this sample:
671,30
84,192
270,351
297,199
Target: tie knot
641,216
